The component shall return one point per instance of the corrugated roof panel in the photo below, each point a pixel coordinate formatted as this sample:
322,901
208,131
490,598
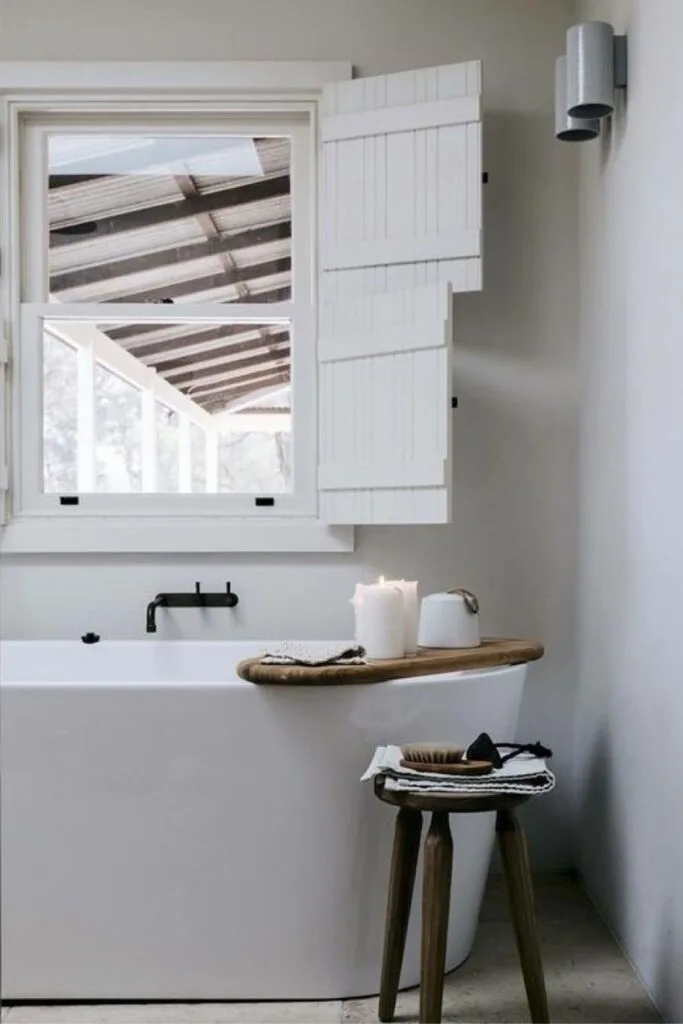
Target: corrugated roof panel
110,196
279,249
251,215
267,284
94,251
132,284
230,293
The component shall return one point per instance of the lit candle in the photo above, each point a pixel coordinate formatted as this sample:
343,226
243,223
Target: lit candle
410,612
380,619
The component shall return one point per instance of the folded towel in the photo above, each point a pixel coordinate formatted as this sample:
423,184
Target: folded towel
524,774
290,653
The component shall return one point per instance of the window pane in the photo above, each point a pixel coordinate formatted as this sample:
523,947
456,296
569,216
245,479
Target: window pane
60,417
198,458
145,218
118,434
167,449
120,431
254,461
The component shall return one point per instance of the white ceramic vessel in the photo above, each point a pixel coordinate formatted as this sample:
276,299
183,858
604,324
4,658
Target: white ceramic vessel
169,832
449,619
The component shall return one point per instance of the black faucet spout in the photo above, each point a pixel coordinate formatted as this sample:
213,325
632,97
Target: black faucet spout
158,602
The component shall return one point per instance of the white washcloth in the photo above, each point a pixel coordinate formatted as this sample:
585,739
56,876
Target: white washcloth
523,774
292,653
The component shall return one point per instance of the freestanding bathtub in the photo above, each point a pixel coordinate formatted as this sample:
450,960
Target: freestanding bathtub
169,832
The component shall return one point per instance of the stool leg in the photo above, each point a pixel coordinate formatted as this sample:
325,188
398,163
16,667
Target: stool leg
513,849
402,879
436,896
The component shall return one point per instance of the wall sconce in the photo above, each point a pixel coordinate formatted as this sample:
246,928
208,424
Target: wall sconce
586,79
568,128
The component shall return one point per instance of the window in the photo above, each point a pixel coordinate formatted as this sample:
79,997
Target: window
171,260
194,360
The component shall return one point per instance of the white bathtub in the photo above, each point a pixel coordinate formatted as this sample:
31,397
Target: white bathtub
169,832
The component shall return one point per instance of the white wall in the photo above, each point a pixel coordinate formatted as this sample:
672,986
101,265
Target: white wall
514,537
631,577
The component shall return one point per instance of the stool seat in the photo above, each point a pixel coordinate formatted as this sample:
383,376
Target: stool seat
448,803
438,866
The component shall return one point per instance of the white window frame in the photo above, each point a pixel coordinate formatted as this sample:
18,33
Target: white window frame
158,523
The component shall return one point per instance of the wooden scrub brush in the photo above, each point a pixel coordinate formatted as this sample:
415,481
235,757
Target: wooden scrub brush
441,758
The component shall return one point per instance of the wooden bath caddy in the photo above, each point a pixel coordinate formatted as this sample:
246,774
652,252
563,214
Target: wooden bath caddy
492,653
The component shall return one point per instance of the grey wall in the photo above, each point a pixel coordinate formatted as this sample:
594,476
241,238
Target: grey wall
631,578
514,537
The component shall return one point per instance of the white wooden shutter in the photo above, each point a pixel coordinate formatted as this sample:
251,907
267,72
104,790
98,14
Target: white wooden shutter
401,230
402,181
385,408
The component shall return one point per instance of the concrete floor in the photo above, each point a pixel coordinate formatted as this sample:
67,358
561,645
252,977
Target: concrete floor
587,975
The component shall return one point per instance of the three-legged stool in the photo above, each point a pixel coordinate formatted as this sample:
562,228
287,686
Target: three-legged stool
438,864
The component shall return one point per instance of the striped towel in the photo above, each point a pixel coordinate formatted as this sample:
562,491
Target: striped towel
293,653
524,774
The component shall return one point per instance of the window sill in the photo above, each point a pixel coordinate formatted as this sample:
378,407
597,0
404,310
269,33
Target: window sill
159,535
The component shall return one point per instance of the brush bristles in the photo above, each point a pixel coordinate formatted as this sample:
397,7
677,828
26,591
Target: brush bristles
433,753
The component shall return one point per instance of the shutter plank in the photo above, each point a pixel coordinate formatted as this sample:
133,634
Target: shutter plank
392,251
413,117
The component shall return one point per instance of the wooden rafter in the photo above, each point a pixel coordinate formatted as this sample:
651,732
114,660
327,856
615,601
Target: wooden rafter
171,257
135,334
240,339
223,373
106,226
197,394
206,222
223,365
219,353
213,282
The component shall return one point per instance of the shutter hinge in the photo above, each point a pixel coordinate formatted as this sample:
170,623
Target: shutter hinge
4,350
4,478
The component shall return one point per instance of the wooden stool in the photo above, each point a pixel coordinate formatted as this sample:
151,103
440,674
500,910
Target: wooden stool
438,863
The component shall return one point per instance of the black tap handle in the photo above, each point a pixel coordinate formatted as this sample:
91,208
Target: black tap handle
228,588
197,588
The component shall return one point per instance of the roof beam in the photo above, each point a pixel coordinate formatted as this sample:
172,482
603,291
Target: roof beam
214,282
136,332
226,359
187,186
179,209
223,244
222,374
236,382
177,358
203,341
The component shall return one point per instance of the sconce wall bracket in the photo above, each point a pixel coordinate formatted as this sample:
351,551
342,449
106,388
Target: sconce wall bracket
620,62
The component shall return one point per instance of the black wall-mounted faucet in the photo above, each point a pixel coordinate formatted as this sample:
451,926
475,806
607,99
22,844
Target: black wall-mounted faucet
192,599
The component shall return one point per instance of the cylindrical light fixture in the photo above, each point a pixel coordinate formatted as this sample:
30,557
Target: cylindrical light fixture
569,129
590,70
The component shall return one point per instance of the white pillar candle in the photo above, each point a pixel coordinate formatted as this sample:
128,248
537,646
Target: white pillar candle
380,620
410,612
